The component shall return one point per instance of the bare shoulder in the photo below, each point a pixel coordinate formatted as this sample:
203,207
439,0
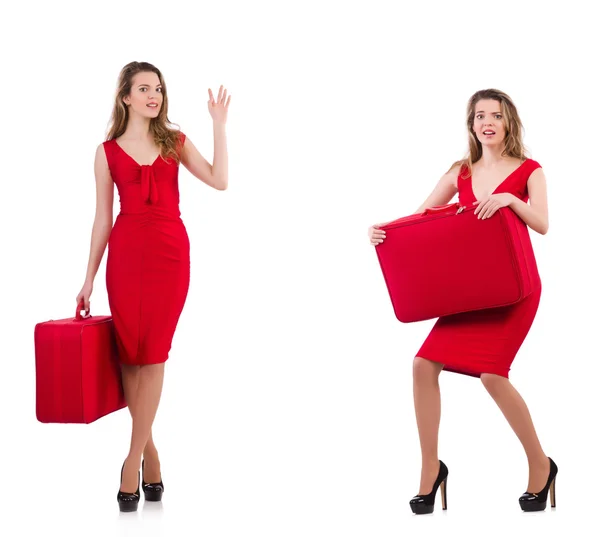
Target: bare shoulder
185,141
189,152
451,176
101,167
537,176
185,145
101,152
537,189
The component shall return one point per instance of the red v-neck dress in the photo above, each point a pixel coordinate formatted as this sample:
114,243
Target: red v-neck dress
485,341
148,263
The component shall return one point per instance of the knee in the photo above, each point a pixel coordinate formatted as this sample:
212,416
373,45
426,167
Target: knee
424,369
491,382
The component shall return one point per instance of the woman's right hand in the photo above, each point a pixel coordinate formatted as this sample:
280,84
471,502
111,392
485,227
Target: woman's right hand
84,295
376,235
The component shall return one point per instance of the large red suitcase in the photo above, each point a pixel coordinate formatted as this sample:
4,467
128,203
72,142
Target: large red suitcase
445,261
78,378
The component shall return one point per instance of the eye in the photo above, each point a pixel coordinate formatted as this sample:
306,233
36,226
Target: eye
498,116
479,116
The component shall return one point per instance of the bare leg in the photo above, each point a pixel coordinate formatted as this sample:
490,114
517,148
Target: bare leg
426,391
517,414
146,400
131,375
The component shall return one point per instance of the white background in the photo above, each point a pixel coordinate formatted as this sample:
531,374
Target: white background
287,405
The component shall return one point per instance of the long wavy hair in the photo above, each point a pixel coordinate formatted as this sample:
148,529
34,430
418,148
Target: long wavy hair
513,141
164,136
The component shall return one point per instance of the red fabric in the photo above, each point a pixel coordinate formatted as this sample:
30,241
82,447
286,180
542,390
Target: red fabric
148,264
424,256
485,341
78,379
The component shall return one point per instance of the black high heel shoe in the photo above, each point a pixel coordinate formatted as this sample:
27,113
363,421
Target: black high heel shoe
423,505
152,491
537,502
128,501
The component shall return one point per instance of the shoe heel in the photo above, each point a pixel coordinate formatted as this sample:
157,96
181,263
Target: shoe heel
443,493
537,501
424,504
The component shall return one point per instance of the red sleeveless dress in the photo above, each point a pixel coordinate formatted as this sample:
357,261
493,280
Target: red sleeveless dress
484,341
148,263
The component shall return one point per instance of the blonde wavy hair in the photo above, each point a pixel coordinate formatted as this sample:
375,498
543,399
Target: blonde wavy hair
160,126
513,141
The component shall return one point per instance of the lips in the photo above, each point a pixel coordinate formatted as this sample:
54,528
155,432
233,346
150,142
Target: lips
489,132
152,105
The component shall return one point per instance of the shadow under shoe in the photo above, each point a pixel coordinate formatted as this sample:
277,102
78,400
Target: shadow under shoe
423,505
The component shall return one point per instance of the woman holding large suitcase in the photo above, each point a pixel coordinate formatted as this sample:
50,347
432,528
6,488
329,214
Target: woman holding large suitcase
148,264
496,173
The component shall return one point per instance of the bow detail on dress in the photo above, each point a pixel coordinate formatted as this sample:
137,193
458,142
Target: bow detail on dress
149,191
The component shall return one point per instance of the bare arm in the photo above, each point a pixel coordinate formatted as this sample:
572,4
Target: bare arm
215,175
442,193
445,189
103,220
534,213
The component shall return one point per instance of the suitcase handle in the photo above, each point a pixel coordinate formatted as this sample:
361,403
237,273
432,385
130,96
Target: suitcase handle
78,316
442,209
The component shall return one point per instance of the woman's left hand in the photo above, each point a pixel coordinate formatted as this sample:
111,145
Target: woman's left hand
218,109
489,206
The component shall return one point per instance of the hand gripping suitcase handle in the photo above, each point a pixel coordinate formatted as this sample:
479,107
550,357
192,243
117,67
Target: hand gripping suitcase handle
78,316
442,209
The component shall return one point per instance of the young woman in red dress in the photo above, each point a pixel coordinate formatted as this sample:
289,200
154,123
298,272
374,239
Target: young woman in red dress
148,263
496,173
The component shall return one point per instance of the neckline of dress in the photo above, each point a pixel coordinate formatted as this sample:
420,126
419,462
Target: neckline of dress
503,181
132,159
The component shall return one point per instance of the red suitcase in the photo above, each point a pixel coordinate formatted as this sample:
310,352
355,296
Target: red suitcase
445,261
78,378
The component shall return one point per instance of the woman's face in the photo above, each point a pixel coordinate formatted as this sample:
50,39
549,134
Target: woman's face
146,96
488,123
